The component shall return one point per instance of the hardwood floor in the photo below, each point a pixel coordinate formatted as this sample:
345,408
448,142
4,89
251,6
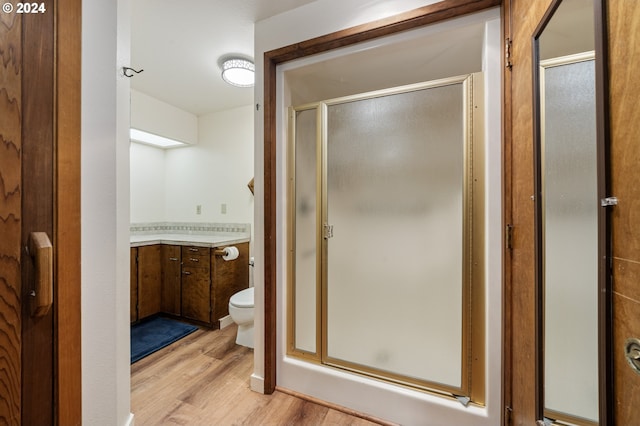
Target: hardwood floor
203,379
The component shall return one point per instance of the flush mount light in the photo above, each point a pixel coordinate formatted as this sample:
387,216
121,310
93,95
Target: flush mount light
238,72
151,139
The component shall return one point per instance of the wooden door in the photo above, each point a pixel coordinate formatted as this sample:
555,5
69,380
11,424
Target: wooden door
521,17
623,23
622,26
171,259
39,153
149,280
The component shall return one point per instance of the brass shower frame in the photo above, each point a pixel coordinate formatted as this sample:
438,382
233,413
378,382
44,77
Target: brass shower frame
473,291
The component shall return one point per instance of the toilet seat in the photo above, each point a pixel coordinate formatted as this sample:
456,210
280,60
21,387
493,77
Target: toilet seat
243,299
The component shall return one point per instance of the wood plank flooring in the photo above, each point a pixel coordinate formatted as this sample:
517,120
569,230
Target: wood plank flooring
203,379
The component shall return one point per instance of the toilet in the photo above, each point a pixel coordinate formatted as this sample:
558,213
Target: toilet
241,312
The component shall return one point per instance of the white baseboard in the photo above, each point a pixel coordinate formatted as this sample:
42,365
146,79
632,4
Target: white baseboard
225,321
130,421
257,383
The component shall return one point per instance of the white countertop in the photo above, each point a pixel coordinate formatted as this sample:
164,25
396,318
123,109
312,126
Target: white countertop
200,240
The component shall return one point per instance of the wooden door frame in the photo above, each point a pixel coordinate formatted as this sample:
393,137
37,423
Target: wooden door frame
604,306
446,9
67,213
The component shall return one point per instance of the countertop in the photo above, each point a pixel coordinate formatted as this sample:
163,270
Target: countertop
199,240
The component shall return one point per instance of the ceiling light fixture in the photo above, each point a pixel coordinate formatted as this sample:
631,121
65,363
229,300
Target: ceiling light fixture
238,72
154,140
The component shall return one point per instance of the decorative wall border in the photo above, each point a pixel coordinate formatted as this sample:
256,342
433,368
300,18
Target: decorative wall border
188,228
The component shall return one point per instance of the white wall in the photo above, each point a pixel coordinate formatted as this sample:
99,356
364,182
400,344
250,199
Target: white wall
167,185
160,118
105,214
216,171
381,399
147,183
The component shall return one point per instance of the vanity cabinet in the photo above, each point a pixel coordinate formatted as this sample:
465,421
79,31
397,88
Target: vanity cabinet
196,284
190,282
171,279
149,277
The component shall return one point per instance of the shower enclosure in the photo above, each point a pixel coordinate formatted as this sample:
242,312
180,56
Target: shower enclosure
386,205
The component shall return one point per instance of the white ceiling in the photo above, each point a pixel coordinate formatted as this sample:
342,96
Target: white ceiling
179,45
446,50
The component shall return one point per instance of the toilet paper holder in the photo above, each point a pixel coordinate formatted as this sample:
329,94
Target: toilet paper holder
220,252
225,252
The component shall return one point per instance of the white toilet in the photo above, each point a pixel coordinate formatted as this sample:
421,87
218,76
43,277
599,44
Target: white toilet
241,312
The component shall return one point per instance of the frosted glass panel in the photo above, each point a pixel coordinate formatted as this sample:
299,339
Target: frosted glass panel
305,230
571,240
395,167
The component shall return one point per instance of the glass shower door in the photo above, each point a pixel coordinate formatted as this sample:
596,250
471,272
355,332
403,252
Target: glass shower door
396,231
386,236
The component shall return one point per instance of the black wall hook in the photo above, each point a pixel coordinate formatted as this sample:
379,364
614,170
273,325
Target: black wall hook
127,72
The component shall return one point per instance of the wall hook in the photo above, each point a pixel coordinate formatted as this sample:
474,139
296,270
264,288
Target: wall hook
127,72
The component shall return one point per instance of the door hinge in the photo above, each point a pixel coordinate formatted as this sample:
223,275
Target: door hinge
328,231
508,236
507,53
609,202
507,415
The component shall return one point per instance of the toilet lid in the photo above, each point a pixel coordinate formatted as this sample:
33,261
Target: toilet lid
243,299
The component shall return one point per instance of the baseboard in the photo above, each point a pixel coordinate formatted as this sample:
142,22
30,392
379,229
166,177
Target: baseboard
336,407
257,383
130,421
225,321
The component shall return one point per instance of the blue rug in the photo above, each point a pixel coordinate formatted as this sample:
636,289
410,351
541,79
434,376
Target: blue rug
156,333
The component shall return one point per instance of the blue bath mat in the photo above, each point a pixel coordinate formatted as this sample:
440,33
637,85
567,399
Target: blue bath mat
156,333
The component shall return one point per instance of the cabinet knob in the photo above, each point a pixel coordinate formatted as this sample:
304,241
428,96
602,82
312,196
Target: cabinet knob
193,249
173,258
186,273
194,259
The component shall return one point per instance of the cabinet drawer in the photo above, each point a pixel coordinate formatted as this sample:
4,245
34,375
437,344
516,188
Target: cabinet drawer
195,251
191,261
195,257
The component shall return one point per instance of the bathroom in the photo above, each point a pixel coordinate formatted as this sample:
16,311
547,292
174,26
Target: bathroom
200,190
198,193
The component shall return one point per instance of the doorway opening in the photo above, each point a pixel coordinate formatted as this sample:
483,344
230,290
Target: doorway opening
343,72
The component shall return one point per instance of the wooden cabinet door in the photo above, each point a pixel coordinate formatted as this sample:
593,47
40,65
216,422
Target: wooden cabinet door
133,311
149,279
228,278
623,25
196,284
171,271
